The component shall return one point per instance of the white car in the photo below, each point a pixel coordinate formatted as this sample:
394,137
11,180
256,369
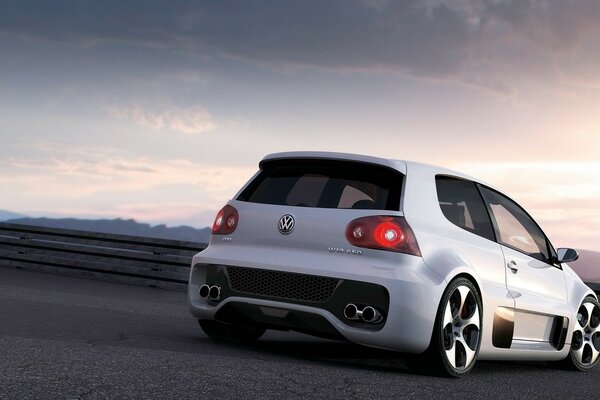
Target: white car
391,254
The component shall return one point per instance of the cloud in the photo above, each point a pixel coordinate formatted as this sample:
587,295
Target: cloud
77,177
484,43
189,120
173,213
562,196
104,170
112,183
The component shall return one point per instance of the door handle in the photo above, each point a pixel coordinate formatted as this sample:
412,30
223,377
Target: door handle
512,265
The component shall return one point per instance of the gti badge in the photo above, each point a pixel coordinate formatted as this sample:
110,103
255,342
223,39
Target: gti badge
286,224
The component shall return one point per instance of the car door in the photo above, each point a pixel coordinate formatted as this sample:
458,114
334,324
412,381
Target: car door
532,279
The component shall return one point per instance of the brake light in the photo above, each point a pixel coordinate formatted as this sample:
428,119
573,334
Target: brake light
383,233
226,221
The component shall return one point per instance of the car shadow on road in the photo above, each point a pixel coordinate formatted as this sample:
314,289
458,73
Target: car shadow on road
349,355
329,352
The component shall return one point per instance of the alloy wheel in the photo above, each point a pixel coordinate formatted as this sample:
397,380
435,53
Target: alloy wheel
585,345
461,328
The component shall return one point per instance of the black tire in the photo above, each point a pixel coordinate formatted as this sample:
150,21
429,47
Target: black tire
237,333
462,336
586,337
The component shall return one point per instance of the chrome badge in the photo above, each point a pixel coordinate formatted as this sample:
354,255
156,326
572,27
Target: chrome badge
286,224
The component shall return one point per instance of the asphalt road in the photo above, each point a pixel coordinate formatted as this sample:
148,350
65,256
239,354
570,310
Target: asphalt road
71,338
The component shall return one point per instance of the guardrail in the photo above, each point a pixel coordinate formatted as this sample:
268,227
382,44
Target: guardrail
122,258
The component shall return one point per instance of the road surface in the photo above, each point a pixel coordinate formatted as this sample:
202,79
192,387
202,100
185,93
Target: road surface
72,338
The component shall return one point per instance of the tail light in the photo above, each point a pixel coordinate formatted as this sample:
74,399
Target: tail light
226,221
383,233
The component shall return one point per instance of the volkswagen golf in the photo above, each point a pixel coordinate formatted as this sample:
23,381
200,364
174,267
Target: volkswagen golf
396,255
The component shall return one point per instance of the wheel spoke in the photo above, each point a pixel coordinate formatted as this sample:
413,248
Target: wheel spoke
470,354
451,354
579,354
595,353
473,320
590,309
447,315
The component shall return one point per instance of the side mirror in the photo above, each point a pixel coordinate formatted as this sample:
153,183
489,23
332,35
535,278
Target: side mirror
566,255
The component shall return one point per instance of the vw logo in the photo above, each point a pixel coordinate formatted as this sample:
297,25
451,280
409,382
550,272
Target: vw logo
286,224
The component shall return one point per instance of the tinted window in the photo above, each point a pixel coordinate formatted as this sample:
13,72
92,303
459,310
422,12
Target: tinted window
514,228
325,184
462,205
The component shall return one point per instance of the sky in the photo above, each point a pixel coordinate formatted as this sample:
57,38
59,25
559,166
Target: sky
160,111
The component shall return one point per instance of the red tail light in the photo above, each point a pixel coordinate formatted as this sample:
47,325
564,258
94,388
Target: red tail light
383,233
226,221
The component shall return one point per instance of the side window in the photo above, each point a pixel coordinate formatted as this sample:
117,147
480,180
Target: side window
462,205
514,228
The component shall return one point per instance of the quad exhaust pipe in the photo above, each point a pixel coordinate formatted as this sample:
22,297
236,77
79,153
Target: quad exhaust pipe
351,312
211,292
371,315
368,314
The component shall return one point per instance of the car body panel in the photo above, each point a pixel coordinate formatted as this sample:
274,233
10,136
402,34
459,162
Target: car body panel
540,294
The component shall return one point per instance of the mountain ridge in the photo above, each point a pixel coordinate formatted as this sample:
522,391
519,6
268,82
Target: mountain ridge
6,215
119,226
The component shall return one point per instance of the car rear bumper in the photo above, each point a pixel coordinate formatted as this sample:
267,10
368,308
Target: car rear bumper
407,293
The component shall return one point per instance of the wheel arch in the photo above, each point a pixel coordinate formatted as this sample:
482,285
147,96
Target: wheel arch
469,277
577,291
449,279
450,273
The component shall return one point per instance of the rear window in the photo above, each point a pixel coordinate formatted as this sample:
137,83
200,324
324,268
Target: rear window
325,184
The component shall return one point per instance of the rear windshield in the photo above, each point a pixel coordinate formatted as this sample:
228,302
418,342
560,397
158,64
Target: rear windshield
325,184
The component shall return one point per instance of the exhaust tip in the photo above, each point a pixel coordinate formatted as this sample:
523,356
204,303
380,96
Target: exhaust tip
371,315
214,293
351,311
203,291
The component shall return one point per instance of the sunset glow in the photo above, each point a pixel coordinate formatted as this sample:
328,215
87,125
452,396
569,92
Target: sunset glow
164,116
